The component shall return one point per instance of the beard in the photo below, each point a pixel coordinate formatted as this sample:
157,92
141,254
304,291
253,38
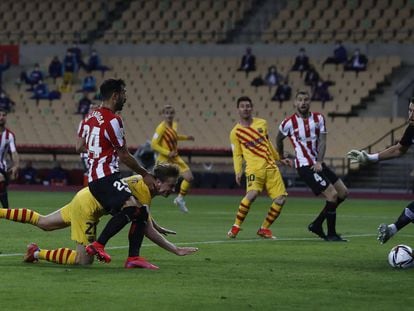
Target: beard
120,104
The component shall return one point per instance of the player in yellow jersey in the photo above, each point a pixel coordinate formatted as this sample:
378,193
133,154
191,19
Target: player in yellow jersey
82,214
164,142
250,142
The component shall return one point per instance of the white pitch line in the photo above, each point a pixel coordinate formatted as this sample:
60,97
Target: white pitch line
232,241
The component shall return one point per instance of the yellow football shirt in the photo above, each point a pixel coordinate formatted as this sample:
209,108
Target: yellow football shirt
252,144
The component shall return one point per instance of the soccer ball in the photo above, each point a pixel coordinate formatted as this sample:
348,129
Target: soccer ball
401,256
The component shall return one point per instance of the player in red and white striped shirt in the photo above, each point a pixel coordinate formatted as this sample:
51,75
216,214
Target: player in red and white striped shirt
102,136
307,133
7,146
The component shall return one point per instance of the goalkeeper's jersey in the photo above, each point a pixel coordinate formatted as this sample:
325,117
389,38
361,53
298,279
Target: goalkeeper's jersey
252,144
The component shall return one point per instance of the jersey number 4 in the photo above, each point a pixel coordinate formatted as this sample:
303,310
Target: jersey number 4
92,140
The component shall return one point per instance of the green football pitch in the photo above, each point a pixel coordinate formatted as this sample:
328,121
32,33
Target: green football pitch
295,272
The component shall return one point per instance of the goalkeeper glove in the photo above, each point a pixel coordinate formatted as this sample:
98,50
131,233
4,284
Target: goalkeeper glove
361,157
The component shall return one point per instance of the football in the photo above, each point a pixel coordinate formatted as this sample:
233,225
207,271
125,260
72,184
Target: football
401,257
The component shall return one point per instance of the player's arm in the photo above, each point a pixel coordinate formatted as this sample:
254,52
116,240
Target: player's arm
81,145
128,159
162,242
185,137
160,229
280,149
317,167
14,170
395,151
237,157
156,141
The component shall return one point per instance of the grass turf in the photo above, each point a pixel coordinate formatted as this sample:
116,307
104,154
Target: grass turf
296,272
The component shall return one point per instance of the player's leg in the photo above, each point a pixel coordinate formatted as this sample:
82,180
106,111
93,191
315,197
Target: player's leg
22,215
135,237
331,196
115,197
254,185
340,192
63,256
4,199
185,184
385,232
242,212
276,189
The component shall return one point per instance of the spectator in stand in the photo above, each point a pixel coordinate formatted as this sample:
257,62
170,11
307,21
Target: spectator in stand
77,53
283,92
248,62
3,67
340,55
84,105
272,77
311,77
358,62
40,91
70,68
95,63
33,78
301,62
28,174
55,69
89,83
5,102
321,92
58,176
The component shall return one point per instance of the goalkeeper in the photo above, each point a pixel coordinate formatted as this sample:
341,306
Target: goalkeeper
385,232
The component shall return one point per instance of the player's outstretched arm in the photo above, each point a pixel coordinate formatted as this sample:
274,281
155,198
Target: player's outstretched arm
158,239
362,157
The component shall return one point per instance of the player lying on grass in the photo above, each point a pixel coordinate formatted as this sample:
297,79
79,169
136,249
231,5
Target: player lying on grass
83,214
385,232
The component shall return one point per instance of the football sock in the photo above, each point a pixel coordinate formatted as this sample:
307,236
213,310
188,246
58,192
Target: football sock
62,256
185,185
272,215
339,201
22,215
243,211
135,237
320,218
330,208
406,217
116,223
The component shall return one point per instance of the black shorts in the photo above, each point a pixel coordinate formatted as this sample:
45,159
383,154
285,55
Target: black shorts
318,182
111,192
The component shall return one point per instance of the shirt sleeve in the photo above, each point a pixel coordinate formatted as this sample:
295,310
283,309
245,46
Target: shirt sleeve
284,127
237,152
116,133
12,143
408,136
156,141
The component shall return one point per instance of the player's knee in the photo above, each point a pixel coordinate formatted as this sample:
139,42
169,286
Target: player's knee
135,213
251,195
280,200
44,225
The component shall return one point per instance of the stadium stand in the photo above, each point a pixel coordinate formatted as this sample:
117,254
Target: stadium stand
204,89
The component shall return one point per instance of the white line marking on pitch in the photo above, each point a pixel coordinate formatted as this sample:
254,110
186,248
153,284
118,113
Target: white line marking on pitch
231,241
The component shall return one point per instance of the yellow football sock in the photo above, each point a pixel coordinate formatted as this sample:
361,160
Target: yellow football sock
272,215
62,256
185,185
22,215
242,212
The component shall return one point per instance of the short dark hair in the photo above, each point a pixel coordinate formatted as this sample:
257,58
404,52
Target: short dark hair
302,92
163,171
111,86
244,99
